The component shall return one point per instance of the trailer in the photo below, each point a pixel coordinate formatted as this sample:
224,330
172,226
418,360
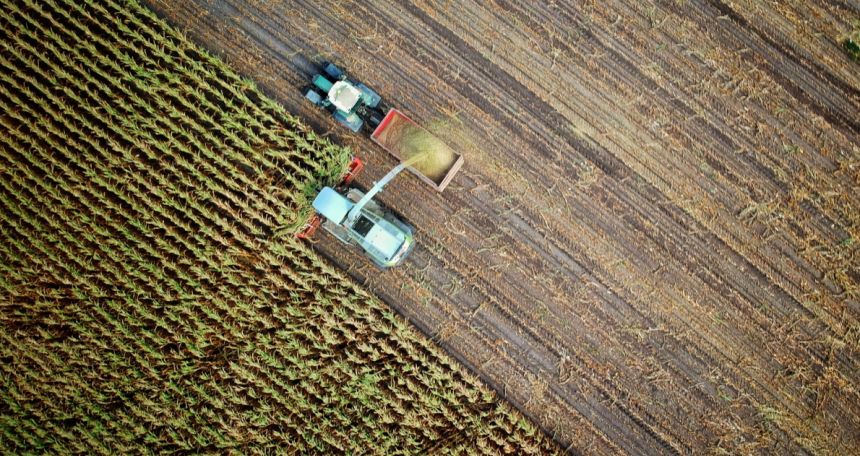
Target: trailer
405,139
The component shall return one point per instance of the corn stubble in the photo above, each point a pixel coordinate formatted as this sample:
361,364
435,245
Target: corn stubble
151,293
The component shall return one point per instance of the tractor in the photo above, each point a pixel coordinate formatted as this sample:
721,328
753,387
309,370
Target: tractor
352,103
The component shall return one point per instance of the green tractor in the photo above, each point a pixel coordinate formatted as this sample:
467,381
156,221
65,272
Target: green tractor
352,103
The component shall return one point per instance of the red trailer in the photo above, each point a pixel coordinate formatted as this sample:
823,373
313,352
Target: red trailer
405,139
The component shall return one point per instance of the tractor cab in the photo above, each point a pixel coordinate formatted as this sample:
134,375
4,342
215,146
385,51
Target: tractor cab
362,222
352,103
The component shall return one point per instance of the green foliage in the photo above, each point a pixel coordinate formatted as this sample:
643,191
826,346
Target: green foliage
852,47
851,43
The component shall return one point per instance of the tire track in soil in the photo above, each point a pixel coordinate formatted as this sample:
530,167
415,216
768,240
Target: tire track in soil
631,216
830,112
646,189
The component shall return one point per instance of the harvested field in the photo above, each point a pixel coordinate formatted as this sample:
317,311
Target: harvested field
653,244
148,299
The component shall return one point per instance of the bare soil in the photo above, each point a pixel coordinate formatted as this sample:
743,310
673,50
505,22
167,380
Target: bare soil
653,244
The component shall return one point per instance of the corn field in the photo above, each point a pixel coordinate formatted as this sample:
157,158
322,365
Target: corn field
153,296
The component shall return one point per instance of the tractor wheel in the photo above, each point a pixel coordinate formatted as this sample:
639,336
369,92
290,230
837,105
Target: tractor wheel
333,71
314,96
374,118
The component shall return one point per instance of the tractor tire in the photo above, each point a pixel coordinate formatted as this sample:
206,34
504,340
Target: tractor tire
314,97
